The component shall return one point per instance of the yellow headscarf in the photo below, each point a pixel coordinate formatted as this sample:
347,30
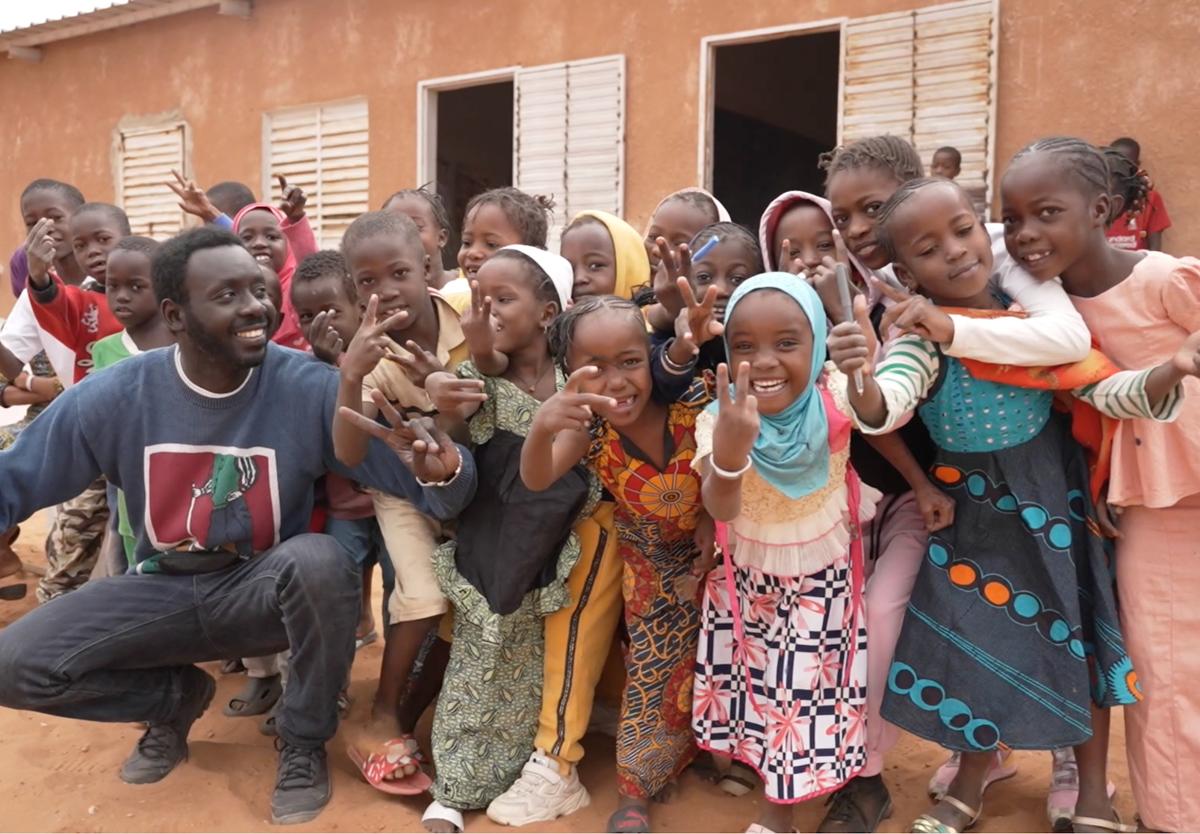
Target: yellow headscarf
632,265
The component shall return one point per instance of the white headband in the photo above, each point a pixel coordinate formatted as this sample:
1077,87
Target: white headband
561,273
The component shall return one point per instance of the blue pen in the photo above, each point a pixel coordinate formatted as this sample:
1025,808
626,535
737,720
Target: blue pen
706,248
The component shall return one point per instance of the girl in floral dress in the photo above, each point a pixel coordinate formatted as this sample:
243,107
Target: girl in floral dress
781,667
642,452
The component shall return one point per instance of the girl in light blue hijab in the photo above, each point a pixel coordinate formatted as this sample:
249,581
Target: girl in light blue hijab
781,671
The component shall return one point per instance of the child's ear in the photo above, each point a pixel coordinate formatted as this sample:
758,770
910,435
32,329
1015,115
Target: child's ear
443,238
173,314
905,277
1117,205
1099,210
549,311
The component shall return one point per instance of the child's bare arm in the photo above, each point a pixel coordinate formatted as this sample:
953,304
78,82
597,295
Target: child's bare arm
936,507
368,346
734,434
456,400
481,339
558,438
10,366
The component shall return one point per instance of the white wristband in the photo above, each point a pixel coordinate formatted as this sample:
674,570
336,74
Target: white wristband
457,471
726,474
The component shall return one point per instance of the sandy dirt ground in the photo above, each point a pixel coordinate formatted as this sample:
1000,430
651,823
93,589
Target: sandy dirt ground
61,775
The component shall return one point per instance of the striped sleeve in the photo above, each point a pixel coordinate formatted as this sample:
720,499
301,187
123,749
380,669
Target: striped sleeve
905,375
1123,396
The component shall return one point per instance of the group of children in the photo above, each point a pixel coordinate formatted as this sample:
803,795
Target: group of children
876,466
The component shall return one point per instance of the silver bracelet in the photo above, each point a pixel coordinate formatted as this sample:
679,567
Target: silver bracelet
457,471
726,474
671,367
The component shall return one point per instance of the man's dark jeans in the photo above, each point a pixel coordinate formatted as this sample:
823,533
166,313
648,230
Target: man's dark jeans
115,649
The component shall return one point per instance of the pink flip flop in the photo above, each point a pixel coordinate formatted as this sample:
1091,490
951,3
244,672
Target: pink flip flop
940,782
397,755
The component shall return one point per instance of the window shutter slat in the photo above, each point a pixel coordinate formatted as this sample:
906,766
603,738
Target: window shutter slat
324,150
147,157
954,89
569,136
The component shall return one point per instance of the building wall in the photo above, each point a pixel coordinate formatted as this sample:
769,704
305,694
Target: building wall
1096,68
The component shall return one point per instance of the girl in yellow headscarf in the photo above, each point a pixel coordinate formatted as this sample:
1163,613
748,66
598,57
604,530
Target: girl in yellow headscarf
607,253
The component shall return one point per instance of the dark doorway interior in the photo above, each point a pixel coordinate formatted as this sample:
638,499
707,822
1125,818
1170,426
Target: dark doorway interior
474,149
776,112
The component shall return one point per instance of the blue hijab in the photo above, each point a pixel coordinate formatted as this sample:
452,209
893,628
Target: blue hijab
792,449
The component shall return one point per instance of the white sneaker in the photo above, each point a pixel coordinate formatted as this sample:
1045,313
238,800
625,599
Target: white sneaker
541,794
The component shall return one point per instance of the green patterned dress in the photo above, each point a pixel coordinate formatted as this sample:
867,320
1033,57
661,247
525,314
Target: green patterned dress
505,573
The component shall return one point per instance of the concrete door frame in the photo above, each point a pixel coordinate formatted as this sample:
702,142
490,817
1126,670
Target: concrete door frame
707,87
427,124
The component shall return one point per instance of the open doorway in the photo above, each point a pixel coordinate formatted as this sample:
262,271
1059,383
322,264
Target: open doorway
775,110
474,149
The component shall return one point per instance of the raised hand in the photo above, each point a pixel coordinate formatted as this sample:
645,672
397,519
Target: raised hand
477,324
192,198
737,420
428,452
571,409
327,343
673,265
419,364
370,343
293,200
450,395
697,321
39,250
1187,358
824,280
914,314
852,344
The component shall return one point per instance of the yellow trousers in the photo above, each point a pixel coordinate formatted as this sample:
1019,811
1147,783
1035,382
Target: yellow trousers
578,639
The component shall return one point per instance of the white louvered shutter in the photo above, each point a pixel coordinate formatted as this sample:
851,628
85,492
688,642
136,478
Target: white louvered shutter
928,75
877,77
954,89
147,157
569,136
324,150
540,138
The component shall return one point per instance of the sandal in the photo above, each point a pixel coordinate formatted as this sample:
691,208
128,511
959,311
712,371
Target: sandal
929,824
758,828
12,593
1113,824
233,667
1064,790
399,755
739,781
862,804
256,697
632,819
1001,769
438,811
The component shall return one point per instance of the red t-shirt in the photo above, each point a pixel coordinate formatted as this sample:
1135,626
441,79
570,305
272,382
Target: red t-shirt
1130,230
73,316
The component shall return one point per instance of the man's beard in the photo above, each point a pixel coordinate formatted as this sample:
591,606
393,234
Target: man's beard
217,348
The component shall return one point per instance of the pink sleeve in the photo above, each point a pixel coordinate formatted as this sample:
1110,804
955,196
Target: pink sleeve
1181,294
300,238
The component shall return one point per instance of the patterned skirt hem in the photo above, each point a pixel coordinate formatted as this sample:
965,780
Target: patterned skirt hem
764,778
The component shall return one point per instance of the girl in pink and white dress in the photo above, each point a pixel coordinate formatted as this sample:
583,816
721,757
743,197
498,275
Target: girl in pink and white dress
782,664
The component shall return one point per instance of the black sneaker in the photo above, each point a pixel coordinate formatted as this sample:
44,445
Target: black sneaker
164,745
860,806
302,786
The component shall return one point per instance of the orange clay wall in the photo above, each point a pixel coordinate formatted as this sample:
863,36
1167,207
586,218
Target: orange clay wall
1095,68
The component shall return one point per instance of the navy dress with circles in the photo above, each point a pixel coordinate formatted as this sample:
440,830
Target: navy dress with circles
1012,629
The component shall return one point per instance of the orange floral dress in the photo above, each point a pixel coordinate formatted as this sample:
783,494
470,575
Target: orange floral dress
657,513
